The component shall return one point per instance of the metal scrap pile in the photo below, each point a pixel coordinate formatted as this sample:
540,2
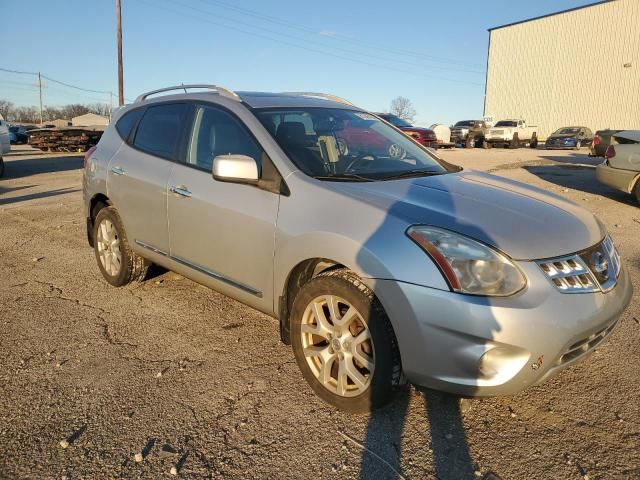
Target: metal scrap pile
67,139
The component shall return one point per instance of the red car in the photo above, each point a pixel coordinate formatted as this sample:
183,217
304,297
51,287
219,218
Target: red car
423,136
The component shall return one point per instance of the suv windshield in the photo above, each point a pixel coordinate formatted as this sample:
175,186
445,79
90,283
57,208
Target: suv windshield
395,121
506,123
566,131
337,144
465,123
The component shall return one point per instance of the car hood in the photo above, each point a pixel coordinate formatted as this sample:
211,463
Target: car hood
524,222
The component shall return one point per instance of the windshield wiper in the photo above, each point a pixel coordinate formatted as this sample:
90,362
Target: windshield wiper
413,173
345,176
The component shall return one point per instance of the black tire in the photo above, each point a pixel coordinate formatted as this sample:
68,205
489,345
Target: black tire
515,142
133,267
1,167
469,142
387,368
534,141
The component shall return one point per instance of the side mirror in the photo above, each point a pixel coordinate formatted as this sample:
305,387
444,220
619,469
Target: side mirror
235,169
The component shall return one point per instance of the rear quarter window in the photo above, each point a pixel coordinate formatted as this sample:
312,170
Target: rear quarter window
127,122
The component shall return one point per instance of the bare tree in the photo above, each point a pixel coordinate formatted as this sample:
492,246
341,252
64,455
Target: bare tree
403,108
6,107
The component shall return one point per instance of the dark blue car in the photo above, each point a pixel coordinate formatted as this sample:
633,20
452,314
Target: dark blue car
570,137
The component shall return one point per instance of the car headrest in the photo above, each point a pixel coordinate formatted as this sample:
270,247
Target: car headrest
291,132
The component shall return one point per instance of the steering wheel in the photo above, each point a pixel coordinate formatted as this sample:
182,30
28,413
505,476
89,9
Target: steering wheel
367,156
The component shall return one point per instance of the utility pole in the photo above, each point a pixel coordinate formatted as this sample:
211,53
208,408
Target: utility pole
119,35
40,88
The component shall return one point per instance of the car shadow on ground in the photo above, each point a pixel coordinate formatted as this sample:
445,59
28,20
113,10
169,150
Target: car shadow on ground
576,171
33,166
36,195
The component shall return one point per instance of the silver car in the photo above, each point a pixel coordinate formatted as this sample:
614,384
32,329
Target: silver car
383,263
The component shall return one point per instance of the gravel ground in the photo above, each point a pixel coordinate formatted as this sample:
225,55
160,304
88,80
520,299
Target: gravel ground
191,380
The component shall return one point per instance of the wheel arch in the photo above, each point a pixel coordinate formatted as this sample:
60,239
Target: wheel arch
298,276
97,203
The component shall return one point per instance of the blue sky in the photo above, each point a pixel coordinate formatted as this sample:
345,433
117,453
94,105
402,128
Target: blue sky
368,51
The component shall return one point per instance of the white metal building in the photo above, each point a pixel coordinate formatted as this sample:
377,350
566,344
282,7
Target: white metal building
575,67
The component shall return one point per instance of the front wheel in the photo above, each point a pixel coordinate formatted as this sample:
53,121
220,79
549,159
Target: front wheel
470,142
118,264
343,342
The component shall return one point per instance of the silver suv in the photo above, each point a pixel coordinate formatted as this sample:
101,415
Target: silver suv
383,263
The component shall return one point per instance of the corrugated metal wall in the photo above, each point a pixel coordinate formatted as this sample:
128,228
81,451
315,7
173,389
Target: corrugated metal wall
568,69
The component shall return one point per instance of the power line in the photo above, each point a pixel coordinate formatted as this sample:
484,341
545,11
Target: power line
337,36
53,80
376,56
315,50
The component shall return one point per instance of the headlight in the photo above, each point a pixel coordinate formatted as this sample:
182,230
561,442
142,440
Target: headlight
469,266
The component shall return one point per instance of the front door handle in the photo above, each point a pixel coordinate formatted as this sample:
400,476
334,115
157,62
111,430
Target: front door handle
118,171
182,191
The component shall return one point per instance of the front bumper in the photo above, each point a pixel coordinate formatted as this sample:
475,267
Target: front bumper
533,335
616,177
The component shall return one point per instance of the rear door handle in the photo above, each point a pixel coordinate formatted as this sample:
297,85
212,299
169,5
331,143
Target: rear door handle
118,171
182,191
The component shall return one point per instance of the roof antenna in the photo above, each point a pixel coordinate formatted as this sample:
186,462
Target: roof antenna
185,90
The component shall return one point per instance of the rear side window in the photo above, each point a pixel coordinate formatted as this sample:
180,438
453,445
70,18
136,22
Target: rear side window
127,122
160,128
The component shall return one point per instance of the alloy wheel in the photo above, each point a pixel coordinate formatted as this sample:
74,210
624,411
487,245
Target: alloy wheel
337,345
108,243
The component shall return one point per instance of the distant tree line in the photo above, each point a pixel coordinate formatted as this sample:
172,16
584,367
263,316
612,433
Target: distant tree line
31,114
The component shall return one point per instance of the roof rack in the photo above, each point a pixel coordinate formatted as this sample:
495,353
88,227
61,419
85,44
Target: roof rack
225,92
326,96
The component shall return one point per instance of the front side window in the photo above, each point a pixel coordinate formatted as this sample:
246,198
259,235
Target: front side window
160,129
216,132
341,144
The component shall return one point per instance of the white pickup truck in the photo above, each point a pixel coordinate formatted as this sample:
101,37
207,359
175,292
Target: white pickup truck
512,133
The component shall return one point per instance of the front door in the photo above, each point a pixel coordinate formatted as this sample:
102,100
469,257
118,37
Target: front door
138,175
224,231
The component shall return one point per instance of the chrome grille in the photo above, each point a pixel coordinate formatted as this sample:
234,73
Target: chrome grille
595,269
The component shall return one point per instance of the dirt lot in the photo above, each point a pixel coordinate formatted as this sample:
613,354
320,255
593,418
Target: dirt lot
195,381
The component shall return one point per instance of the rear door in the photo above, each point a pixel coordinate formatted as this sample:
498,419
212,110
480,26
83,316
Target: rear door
138,174
224,232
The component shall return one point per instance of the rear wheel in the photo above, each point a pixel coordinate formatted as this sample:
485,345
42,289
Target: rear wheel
515,141
118,264
343,342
